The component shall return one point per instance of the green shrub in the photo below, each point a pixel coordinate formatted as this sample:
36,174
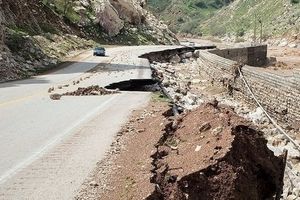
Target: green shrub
240,32
47,28
218,31
201,4
189,27
15,40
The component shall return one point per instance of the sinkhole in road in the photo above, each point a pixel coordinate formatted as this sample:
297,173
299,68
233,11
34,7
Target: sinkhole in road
149,85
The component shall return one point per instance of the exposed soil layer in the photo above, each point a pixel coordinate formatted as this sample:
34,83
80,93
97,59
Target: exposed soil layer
212,153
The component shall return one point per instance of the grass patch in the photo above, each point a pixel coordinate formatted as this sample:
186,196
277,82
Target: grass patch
159,97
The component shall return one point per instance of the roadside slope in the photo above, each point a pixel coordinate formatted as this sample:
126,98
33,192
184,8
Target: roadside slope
36,35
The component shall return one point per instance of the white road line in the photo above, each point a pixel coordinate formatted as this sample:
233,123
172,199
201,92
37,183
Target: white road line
4,177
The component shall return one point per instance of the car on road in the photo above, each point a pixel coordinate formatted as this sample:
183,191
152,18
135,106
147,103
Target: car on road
192,44
99,51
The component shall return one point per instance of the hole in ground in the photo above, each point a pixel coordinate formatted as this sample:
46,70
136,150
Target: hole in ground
135,85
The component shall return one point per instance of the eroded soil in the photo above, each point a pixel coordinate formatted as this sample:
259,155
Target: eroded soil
212,153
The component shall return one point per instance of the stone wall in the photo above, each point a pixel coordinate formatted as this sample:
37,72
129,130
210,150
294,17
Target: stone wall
280,95
253,56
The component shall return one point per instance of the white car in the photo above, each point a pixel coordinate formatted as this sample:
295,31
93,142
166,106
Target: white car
191,44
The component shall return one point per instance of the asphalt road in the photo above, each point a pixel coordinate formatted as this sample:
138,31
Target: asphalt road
48,148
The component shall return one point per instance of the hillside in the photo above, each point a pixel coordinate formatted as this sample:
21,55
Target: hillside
184,16
38,34
231,18
278,17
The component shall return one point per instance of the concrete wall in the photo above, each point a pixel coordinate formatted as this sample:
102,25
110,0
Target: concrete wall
253,56
280,95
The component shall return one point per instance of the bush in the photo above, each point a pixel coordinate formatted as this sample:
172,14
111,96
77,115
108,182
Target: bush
295,1
240,32
218,31
15,40
201,4
47,28
189,27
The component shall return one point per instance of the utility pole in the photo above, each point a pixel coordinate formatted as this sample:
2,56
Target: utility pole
255,19
261,30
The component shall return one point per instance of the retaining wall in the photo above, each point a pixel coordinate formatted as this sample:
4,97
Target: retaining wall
253,56
280,95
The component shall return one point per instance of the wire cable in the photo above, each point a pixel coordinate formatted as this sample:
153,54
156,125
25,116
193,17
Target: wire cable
266,113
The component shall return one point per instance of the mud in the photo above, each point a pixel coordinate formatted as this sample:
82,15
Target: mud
212,153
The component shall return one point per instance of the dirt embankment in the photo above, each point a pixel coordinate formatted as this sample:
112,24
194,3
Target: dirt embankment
211,153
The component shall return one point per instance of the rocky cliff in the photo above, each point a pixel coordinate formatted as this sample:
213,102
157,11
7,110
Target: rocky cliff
37,34
128,18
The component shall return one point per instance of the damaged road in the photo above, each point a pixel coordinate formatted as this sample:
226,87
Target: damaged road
55,144
210,151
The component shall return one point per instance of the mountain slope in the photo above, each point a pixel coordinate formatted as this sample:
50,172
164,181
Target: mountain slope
184,16
233,18
278,17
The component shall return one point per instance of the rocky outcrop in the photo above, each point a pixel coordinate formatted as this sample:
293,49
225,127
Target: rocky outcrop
34,17
128,12
113,14
108,17
116,15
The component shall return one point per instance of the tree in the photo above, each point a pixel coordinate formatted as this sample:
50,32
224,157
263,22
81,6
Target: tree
67,5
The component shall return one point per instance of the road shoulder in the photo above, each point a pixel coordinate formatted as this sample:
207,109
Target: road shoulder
126,168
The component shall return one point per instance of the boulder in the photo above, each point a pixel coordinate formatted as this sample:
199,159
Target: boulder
175,59
283,43
196,54
108,17
293,45
127,11
189,54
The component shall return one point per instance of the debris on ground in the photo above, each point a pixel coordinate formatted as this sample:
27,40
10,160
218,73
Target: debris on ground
176,79
51,89
216,155
94,90
55,96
